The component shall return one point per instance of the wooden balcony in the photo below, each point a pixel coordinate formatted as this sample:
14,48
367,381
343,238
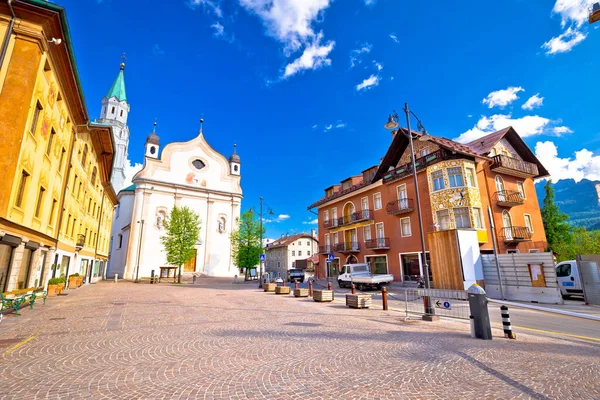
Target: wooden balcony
325,249
405,170
594,13
514,167
508,198
347,247
515,234
80,242
378,244
398,207
358,216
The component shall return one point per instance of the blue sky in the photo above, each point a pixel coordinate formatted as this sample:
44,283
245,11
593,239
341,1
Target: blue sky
304,86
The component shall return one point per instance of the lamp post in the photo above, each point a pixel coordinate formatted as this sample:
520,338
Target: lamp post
261,267
393,124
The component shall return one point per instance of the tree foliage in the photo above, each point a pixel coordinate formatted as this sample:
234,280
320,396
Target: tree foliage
579,241
556,223
182,229
245,241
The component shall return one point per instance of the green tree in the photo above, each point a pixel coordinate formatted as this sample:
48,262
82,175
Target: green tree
580,241
245,241
556,223
182,229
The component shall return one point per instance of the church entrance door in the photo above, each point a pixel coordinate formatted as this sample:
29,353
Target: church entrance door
190,265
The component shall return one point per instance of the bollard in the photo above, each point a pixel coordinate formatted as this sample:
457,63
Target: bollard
384,298
508,333
353,288
194,279
310,288
116,278
283,283
479,312
329,286
295,283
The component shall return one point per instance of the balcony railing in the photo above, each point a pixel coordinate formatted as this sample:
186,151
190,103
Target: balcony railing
512,166
509,198
358,216
325,249
80,241
347,247
420,163
378,244
328,223
514,234
401,206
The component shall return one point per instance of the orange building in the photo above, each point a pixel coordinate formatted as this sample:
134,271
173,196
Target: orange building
372,217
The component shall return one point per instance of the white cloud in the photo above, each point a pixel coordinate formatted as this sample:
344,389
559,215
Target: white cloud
573,11
282,217
311,222
290,22
371,81
130,171
370,2
328,127
355,55
561,130
564,42
585,165
502,97
391,78
219,29
157,51
211,5
529,125
313,57
394,37
314,126
378,65
533,102
340,125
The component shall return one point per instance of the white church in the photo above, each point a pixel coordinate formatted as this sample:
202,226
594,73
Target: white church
189,174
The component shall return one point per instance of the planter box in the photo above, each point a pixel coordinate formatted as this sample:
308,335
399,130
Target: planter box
300,292
52,290
79,281
358,300
323,295
60,288
282,290
73,282
270,287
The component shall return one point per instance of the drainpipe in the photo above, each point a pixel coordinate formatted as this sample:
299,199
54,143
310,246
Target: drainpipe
98,230
7,35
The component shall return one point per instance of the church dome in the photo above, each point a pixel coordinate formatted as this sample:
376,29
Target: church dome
153,137
234,157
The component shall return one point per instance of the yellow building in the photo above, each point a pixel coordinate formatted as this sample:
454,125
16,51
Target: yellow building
56,200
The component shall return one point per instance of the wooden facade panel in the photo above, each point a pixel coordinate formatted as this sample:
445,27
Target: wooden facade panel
446,267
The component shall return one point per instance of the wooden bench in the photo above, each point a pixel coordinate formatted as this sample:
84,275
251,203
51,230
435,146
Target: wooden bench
16,298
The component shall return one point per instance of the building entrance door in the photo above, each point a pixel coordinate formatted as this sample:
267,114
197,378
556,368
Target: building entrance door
333,268
190,265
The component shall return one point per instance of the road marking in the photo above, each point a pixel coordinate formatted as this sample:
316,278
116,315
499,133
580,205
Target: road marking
21,343
551,332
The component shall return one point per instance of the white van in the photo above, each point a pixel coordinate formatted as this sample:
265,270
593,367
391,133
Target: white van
567,275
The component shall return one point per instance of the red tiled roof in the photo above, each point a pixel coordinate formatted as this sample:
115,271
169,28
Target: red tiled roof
484,145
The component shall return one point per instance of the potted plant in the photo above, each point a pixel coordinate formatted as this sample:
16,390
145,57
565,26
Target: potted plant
61,285
74,281
53,287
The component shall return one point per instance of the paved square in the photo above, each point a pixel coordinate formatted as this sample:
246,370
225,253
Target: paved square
217,340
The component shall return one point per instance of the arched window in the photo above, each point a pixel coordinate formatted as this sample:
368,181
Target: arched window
160,219
222,225
94,173
500,188
112,111
84,156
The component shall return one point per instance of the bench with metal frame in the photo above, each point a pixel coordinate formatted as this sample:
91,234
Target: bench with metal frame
16,298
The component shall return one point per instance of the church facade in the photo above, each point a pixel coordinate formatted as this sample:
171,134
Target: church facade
189,174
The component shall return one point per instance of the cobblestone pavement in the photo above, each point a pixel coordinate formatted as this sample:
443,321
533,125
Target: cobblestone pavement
216,340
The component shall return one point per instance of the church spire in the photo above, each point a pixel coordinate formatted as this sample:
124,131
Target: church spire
118,87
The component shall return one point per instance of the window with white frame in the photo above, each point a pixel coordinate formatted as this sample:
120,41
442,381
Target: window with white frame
377,200
334,216
327,243
470,176
455,177
521,189
405,227
528,223
335,238
401,191
478,218
438,180
424,152
461,216
326,216
367,232
293,253
379,229
364,202
299,253
443,219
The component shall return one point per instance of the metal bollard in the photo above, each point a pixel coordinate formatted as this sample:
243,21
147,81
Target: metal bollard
508,333
310,289
329,286
353,288
194,279
116,278
295,283
384,298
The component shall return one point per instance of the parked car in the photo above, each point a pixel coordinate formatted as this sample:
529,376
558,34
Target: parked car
297,274
360,275
567,274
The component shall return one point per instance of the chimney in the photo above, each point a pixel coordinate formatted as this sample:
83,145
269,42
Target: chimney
313,233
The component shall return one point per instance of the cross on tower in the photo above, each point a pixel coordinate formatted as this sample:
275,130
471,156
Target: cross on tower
124,57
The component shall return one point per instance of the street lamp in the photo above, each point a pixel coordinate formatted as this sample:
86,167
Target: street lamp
393,124
260,276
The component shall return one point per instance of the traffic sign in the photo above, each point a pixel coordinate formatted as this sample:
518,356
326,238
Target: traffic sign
443,304
330,257
263,257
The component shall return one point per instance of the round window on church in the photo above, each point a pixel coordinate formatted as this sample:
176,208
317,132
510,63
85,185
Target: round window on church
152,150
198,164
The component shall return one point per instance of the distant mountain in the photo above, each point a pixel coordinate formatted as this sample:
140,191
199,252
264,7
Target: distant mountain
580,200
